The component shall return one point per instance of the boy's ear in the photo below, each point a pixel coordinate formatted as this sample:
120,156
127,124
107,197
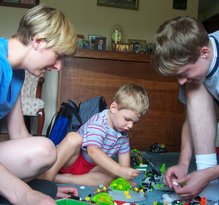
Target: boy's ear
114,107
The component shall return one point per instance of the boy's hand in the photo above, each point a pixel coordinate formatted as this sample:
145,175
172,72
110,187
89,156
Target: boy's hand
128,173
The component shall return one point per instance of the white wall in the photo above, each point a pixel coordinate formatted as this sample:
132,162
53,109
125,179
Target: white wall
89,18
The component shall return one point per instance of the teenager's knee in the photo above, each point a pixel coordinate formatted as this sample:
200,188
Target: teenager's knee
74,139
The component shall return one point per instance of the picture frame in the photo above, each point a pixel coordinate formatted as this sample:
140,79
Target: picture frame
122,47
19,3
83,43
137,46
91,39
100,43
123,4
180,4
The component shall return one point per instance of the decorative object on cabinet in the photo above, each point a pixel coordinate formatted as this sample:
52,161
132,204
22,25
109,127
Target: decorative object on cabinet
19,3
83,43
128,4
100,43
180,4
117,34
80,36
91,39
137,46
123,47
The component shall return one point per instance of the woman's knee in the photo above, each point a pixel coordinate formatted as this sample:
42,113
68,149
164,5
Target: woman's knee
46,151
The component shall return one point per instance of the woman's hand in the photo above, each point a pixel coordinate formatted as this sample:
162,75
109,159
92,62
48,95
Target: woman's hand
66,192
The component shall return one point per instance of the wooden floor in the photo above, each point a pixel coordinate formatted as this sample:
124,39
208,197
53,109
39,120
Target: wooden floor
3,137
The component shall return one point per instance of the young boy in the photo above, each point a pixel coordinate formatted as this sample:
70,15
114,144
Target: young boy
184,49
86,157
44,36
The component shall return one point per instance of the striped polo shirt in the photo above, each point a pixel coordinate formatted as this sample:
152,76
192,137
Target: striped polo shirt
97,131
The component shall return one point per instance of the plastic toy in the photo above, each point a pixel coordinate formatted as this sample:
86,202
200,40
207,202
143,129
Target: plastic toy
157,148
70,202
120,184
195,201
120,189
153,178
102,199
136,158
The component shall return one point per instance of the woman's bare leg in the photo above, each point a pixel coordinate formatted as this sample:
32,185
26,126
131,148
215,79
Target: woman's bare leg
28,157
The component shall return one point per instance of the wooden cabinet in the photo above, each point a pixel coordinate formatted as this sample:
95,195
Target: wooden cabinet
90,73
211,24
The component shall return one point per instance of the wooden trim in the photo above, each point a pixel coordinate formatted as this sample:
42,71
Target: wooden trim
112,55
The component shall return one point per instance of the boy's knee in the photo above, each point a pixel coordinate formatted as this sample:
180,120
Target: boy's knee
74,139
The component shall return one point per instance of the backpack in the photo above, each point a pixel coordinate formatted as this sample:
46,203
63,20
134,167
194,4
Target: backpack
71,117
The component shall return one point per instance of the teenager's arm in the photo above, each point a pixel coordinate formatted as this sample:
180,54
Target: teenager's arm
186,146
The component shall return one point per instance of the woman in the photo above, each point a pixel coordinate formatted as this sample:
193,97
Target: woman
44,36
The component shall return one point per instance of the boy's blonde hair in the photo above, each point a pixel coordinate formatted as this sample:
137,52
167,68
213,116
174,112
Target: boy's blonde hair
50,25
178,43
132,97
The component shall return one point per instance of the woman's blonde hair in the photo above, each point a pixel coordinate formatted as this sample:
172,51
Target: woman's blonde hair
50,25
177,43
132,97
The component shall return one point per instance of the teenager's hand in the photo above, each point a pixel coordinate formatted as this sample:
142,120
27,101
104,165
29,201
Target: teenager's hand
193,183
174,172
65,192
128,173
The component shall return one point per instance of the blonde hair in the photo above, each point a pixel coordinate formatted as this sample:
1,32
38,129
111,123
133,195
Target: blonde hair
50,25
132,97
177,43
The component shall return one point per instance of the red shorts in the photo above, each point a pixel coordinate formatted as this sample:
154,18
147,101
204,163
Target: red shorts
79,167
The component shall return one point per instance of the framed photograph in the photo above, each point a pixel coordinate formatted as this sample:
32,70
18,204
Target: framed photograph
91,38
124,4
100,43
20,3
83,43
180,4
122,47
137,46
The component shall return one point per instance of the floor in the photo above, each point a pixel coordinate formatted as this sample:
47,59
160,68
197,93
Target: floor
157,160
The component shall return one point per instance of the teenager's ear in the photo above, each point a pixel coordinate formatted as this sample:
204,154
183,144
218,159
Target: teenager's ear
113,107
204,52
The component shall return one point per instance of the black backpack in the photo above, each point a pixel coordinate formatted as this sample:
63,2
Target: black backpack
71,117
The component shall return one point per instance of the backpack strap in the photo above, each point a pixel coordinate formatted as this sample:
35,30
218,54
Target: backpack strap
75,110
51,123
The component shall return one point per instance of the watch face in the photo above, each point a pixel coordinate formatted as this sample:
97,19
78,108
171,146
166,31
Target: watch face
117,36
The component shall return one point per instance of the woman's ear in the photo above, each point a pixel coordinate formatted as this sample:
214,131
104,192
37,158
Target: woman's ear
113,107
38,43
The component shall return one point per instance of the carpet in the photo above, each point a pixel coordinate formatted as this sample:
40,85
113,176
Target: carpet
157,160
